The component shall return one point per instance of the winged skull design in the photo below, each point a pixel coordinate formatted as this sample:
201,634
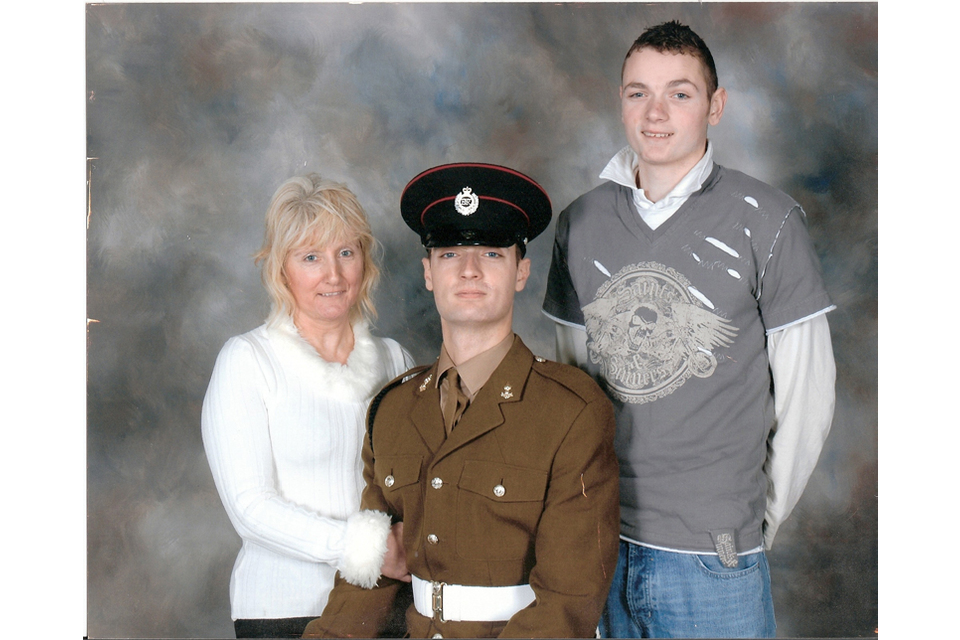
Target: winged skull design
649,335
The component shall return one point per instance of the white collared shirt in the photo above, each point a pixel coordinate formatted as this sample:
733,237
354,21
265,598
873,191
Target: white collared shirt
623,168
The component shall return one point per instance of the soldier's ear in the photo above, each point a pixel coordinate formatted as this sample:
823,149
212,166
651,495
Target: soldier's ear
523,273
427,276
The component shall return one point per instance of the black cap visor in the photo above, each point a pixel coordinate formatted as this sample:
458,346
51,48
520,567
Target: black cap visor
456,237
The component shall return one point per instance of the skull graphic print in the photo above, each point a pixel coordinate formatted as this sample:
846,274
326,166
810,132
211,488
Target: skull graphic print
650,332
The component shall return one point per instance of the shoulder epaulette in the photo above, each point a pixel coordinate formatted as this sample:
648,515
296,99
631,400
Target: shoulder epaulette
574,379
375,403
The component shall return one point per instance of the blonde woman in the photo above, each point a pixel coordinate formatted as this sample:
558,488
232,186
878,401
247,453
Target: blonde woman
283,417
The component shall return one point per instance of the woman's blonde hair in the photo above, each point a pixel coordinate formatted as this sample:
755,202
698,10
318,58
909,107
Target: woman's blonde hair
311,209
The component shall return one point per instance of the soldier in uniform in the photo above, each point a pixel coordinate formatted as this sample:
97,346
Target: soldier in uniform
495,467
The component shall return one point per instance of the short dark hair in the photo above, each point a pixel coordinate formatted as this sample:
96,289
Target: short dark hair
674,37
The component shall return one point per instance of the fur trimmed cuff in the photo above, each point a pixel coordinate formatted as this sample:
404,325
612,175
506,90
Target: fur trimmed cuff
366,544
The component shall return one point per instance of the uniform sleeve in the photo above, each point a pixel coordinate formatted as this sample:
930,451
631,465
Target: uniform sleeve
352,610
791,286
236,438
577,539
804,376
561,302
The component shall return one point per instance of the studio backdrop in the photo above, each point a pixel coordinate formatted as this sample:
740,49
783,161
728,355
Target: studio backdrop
197,112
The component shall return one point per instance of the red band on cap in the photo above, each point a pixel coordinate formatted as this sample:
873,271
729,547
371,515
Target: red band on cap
436,202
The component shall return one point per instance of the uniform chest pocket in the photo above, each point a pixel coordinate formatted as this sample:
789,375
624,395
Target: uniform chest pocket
398,479
498,510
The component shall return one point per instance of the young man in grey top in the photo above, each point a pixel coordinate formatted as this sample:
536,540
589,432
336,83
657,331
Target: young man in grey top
692,292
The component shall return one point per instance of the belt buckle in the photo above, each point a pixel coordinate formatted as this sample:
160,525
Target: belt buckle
438,600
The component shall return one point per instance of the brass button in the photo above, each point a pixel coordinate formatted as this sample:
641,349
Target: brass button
499,491
436,483
388,481
433,539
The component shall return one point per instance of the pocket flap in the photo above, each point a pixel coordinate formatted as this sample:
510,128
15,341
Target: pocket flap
502,482
394,472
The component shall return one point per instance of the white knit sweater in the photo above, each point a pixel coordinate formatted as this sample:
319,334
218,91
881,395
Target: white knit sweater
283,429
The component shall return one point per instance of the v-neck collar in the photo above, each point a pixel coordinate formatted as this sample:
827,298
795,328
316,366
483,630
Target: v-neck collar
623,170
631,217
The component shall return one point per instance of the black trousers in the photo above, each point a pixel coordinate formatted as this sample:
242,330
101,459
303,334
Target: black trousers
271,627
395,626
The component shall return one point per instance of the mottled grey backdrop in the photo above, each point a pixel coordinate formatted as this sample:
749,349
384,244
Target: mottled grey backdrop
197,112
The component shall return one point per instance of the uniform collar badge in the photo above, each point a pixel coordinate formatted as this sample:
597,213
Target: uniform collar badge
423,386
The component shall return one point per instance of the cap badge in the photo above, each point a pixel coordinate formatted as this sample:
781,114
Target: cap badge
466,202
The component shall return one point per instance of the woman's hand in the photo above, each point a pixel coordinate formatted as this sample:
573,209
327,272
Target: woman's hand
395,560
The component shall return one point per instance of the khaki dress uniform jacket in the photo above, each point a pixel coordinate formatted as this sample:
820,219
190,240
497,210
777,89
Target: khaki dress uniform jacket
539,432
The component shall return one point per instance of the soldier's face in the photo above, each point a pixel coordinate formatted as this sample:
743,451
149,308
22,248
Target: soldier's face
474,287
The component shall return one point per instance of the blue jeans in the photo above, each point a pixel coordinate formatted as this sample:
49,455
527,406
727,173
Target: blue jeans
662,594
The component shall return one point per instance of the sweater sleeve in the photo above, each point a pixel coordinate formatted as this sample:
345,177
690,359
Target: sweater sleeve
236,438
354,610
408,362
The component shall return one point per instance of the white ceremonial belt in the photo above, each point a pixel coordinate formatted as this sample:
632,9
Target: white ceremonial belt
445,602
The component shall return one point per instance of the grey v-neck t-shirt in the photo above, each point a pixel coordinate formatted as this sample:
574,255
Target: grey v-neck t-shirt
676,321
